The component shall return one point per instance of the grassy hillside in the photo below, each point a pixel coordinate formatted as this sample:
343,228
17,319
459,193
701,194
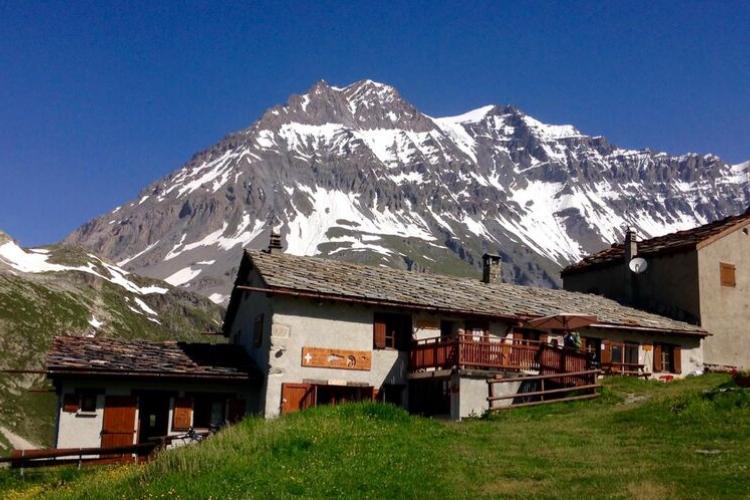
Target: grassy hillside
83,295
686,439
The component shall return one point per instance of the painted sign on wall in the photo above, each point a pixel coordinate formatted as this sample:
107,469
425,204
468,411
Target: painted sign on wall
324,357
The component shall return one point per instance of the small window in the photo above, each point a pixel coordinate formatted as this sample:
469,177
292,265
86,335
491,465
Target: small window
727,272
446,328
631,355
667,358
88,402
258,331
617,353
208,411
477,330
83,401
392,331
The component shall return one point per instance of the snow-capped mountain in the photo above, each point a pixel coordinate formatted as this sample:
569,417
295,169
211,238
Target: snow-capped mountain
359,173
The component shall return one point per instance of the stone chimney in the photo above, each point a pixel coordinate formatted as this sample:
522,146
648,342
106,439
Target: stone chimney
274,243
491,268
631,244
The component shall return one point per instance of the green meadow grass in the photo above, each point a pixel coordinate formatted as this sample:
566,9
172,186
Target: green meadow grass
686,439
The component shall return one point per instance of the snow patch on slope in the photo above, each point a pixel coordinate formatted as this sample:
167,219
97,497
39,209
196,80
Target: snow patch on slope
35,262
308,231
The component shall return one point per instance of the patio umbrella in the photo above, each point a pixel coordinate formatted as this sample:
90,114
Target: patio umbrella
562,321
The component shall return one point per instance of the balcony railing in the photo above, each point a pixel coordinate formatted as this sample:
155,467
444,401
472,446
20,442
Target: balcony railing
487,353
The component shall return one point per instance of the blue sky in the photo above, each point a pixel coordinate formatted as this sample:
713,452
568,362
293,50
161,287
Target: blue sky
98,99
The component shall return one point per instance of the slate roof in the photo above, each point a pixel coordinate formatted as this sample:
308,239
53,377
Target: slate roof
339,280
138,358
673,242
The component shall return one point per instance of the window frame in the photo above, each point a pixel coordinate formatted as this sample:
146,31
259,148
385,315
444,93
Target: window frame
399,331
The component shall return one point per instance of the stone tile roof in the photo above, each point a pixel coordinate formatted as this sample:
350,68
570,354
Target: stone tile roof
673,242
387,286
137,358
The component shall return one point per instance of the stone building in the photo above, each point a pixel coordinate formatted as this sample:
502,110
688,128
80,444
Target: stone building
700,276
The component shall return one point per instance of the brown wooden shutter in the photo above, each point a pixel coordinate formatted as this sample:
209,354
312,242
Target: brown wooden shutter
378,336
727,273
236,410
657,358
182,415
677,359
70,403
606,352
118,426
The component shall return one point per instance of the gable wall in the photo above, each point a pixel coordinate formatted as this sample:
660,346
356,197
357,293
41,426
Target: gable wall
669,286
726,310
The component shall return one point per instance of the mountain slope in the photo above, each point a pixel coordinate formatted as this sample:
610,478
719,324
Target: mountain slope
65,290
359,173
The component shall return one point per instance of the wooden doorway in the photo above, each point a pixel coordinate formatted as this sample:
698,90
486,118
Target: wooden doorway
118,428
153,416
296,397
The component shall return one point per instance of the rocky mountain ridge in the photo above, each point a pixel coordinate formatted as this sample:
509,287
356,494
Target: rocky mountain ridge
359,173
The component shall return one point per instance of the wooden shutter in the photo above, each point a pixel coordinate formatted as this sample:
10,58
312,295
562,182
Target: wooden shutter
378,335
606,352
657,358
182,415
677,359
727,273
118,428
70,403
236,410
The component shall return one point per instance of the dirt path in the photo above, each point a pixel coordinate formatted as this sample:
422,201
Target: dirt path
17,441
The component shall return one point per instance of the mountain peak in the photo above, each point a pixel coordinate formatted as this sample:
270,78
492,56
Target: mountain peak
359,173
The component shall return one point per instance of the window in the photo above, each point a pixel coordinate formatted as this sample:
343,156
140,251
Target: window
446,328
477,330
617,354
88,401
727,274
620,357
667,358
258,331
631,354
392,331
208,411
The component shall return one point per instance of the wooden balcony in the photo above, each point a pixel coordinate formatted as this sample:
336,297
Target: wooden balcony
488,353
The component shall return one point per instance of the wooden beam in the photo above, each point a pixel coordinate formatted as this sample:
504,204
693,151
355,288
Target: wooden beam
549,401
545,392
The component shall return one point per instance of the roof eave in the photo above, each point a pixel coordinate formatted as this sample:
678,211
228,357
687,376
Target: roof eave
87,372
670,331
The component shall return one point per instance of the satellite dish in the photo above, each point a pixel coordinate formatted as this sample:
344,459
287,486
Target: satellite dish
638,265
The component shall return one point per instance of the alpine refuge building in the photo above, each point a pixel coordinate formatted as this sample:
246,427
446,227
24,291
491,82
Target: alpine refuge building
701,276
305,331
324,331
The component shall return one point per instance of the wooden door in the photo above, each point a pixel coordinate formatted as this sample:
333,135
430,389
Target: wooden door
118,428
295,397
